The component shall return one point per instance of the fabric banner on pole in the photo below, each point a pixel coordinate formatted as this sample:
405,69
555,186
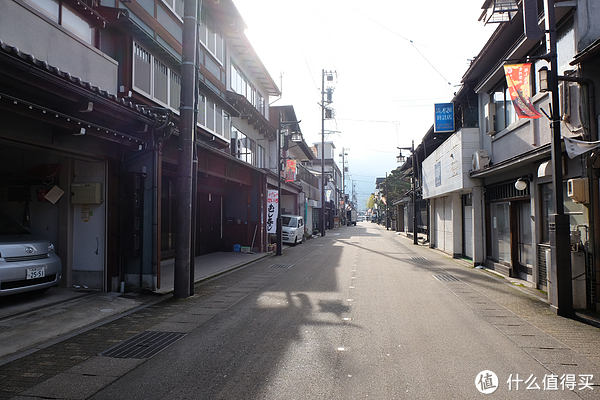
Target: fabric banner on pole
576,147
272,211
290,171
517,79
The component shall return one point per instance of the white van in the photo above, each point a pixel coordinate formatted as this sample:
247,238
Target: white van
292,229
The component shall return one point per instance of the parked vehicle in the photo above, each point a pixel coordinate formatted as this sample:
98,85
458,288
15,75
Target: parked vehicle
351,217
27,262
292,229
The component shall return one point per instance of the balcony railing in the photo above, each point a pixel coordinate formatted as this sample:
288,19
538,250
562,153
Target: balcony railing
305,175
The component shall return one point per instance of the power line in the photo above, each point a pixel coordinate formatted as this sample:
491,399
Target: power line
400,36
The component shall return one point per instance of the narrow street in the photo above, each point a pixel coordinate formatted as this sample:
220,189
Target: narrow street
361,313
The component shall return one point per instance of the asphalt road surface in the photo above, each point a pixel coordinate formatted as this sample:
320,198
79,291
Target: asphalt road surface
359,314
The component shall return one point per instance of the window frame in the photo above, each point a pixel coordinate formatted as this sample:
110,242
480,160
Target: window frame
57,17
503,103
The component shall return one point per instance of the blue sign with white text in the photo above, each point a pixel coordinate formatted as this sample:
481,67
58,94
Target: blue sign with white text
444,117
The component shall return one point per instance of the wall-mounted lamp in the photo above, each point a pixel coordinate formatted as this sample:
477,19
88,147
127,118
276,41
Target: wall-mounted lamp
80,133
521,184
543,84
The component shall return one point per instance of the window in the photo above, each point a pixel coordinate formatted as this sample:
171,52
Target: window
210,37
154,79
500,243
201,109
247,149
175,90
241,85
213,117
505,111
66,16
547,210
525,237
176,6
210,114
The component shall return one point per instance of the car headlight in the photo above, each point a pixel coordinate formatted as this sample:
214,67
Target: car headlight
50,248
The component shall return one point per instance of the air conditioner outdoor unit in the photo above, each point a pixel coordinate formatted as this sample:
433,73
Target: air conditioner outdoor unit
490,117
577,189
480,160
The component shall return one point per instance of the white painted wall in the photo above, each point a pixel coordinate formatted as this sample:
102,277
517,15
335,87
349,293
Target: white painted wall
447,169
89,229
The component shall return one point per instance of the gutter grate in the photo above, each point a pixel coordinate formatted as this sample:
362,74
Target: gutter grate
281,266
446,278
418,258
143,345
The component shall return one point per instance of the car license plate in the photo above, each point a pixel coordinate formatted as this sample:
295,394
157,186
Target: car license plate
33,273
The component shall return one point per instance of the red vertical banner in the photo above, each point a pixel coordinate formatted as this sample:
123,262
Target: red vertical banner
519,87
290,171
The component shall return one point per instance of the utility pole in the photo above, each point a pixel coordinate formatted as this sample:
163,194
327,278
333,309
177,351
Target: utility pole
344,181
185,159
323,154
323,109
279,150
414,194
401,158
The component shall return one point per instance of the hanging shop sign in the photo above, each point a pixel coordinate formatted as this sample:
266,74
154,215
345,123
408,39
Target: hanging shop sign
444,117
290,171
272,210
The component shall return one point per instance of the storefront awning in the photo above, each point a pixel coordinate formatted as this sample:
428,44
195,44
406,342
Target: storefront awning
538,154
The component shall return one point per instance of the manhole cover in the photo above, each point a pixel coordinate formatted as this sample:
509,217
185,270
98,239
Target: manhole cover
446,278
143,345
281,266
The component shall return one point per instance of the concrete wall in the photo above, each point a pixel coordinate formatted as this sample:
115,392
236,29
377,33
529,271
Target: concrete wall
50,42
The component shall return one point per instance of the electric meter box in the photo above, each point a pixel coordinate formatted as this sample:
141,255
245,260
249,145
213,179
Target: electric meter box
577,189
86,193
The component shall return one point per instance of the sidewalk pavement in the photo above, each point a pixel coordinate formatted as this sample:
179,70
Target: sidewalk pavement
29,323
587,317
207,266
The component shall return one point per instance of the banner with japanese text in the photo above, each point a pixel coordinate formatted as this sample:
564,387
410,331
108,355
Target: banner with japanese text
272,210
290,171
519,87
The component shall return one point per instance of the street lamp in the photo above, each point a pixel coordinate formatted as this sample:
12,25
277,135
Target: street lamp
401,158
283,131
561,298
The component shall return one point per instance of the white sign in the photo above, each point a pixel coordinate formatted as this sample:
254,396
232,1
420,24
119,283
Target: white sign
272,211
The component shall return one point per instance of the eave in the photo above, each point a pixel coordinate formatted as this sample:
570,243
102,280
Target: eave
252,115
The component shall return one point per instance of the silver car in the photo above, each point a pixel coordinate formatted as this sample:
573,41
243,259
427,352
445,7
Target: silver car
27,262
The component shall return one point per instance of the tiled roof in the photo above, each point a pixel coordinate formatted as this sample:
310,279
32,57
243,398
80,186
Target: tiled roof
29,58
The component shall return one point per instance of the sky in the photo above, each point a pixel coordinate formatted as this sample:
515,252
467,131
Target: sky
392,61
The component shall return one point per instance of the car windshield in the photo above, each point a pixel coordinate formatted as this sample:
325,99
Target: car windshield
289,222
10,227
